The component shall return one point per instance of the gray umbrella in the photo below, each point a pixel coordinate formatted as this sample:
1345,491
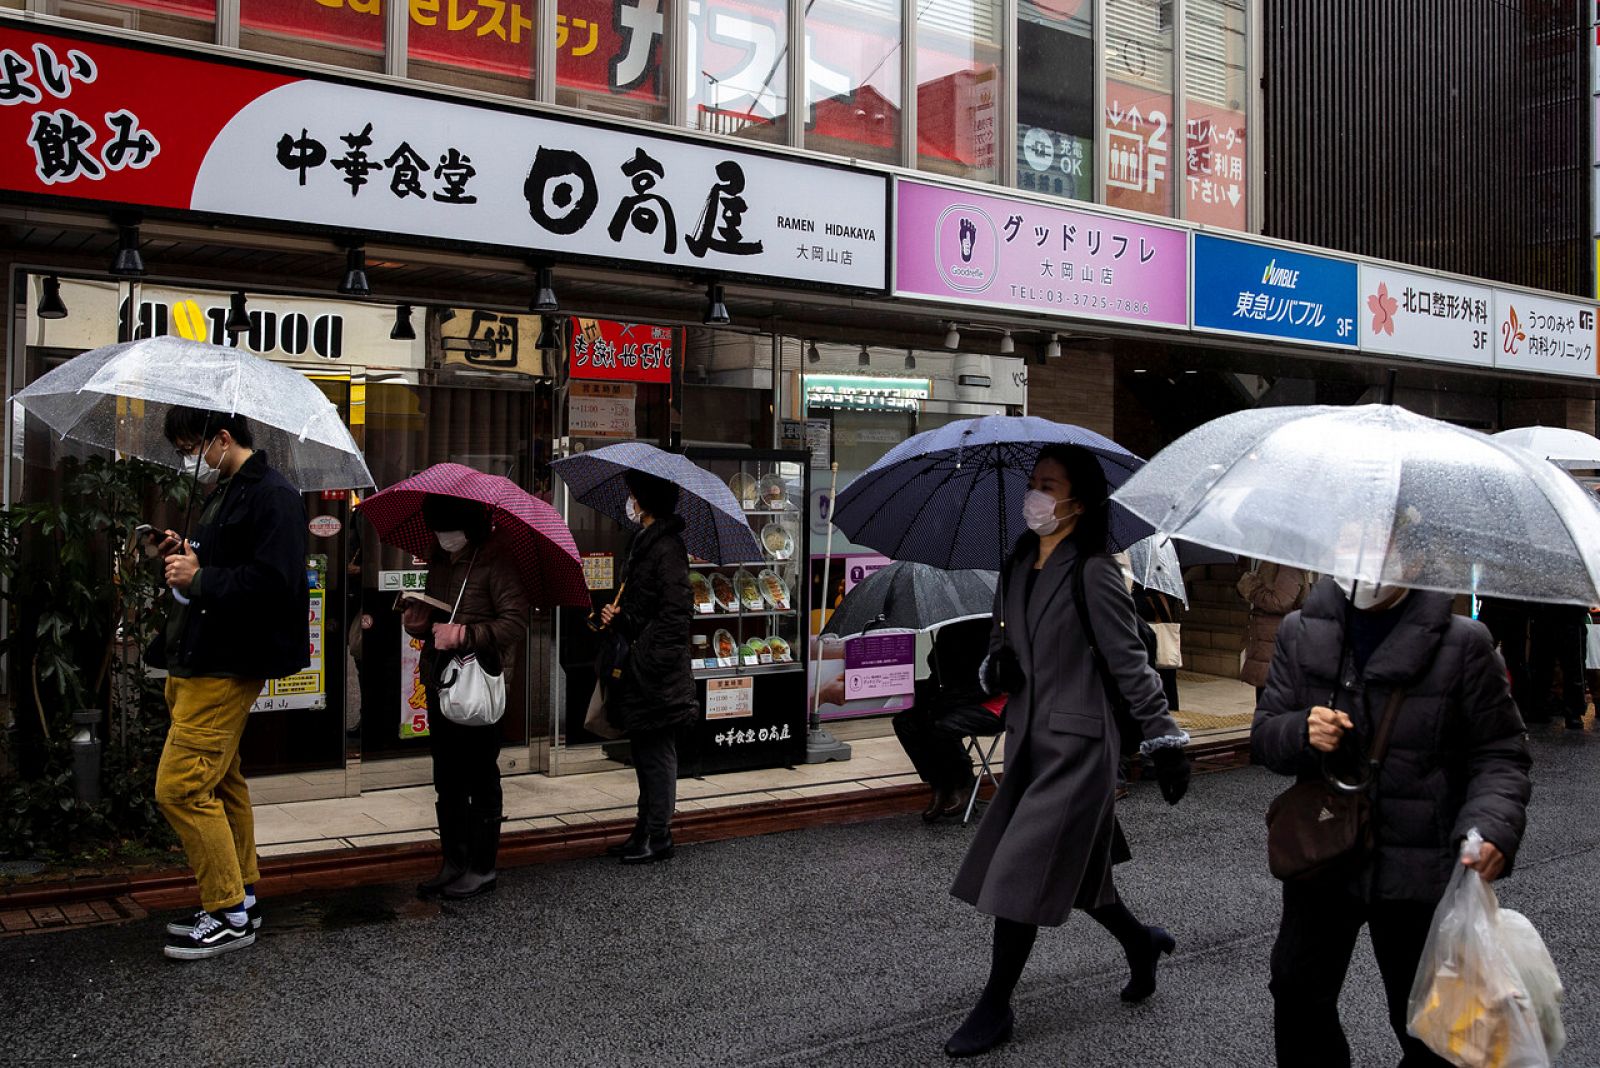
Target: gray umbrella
915,597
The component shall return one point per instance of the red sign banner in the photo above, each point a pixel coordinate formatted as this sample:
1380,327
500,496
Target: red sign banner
622,352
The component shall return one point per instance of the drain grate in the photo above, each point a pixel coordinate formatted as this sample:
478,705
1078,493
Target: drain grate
17,868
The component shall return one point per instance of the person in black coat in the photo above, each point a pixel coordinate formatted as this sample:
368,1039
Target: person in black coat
949,706
240,610
1458,760
655,695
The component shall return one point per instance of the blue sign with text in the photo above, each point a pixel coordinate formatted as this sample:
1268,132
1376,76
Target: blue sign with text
1243,288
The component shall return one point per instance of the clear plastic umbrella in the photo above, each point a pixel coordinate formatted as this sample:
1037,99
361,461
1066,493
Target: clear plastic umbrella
1155,566
117,398
1562,447
1377,494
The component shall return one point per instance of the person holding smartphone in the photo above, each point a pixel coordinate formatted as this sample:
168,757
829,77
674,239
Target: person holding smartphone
240,616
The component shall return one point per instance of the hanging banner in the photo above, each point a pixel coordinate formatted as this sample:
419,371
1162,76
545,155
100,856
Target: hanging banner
1020,254
1422,315
621,352
112,123
1540,334
491,341
1263,291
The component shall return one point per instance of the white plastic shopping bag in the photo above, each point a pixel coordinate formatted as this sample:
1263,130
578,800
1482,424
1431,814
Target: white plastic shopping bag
1485,982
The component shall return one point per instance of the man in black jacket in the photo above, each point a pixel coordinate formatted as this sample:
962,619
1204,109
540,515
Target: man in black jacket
1457,760
240,616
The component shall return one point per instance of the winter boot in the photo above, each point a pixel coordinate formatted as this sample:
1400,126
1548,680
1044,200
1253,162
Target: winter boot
454,835
479,878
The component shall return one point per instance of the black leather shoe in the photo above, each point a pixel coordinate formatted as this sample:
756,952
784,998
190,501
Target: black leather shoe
633,841
1142,965
976,1037
650,850
935,807
471,884
955,799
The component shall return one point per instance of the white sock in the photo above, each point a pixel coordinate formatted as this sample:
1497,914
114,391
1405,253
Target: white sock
237,916
249,899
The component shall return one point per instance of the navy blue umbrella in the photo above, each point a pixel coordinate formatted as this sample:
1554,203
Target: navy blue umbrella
952,496
714,526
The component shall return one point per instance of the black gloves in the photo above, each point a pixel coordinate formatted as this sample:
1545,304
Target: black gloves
1172,772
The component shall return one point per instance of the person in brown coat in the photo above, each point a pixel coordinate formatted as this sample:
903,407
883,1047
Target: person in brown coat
1273,590
471,568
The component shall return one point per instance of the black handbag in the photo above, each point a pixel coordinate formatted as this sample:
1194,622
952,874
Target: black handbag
1324,826
611,654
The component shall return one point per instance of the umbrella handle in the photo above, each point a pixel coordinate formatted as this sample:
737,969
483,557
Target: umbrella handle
615,598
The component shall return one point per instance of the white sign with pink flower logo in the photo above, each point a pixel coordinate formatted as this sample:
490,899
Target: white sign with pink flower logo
1409,314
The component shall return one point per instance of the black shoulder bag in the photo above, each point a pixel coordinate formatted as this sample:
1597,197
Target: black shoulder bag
1323,825
1121,713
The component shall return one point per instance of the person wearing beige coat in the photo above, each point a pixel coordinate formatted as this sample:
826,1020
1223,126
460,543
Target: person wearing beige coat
1273,590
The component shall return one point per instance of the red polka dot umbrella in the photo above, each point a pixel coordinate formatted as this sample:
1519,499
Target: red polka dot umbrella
539,541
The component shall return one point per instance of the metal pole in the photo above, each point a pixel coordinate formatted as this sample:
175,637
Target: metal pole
821,746
1388,386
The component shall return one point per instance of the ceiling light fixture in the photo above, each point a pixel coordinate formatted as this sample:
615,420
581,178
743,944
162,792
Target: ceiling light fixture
911,360
1007,346
355,273
716,309
549,333
403,330
952,337
812,355
1053,349
544,301
238,321
865,359
51,305
127,263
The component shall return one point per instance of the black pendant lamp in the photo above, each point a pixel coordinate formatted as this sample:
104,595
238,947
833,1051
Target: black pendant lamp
355,273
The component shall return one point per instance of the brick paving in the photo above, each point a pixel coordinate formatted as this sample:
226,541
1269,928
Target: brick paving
79,914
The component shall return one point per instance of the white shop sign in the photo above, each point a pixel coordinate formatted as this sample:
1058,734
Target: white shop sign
1539,334
1410,314
530,182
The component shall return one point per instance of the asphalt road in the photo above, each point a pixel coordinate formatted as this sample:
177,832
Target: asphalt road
837,946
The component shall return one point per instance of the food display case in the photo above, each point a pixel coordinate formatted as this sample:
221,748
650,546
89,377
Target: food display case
747,641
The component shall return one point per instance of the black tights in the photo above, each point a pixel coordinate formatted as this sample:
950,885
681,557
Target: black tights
1013,943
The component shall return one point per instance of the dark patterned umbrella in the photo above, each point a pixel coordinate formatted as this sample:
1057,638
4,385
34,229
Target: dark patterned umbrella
547,557
714,526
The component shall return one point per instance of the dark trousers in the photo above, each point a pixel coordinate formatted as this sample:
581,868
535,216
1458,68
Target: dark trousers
932,738
1315,939
466,773
1169,686
1557,642
655,762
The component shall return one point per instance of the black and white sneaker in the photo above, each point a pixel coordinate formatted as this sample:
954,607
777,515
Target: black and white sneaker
183,928
211,935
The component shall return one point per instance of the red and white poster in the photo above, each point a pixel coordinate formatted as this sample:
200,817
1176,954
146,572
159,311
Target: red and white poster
1214,165
1138,133
80,117
413,698
622,352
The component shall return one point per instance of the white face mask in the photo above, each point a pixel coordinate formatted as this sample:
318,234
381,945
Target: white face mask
1367,595
452,541
1039,512
195,467
631,510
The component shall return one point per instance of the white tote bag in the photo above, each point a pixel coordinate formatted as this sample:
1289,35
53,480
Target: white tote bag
468,694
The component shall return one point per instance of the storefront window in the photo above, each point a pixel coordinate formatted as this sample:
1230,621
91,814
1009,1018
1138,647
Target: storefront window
1138,105
345,33
187,20
739,69
487,45
958,88
609,56
1215,167
853,78
1055,97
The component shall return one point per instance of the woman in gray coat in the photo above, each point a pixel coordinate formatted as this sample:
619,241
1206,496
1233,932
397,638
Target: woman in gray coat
1049,839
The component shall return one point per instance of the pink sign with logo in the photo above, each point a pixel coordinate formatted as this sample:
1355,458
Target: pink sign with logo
1006,253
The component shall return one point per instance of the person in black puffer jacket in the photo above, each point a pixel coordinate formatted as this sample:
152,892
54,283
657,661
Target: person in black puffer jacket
1458,759
656,694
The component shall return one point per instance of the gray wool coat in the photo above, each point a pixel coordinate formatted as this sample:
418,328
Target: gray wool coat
1049,838
1458,757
